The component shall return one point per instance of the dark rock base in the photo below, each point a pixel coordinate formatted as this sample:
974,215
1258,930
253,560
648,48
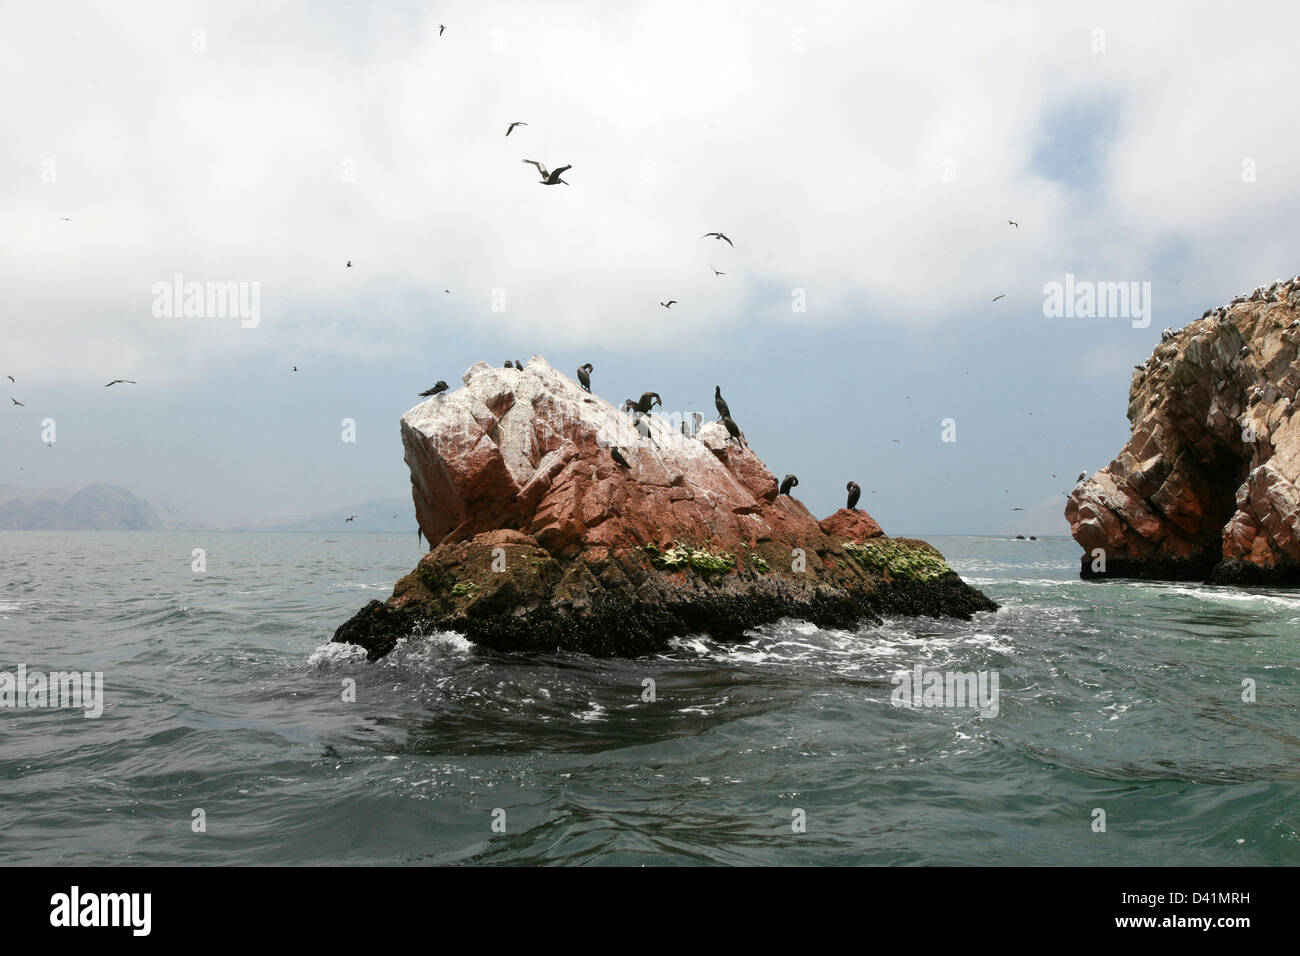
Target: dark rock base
611,628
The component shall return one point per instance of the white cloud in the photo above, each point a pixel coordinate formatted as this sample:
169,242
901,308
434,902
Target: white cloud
823,166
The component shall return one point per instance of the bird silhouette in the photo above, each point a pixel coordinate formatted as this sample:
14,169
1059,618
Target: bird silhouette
618,457
790,482
510,128
720,237
349,518
15,401
441,29
437,389
854,494
1002,296
548,178
121,381
715,271
1011,222
584,375
720,402
669,304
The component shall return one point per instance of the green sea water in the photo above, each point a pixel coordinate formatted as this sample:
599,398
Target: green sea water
223,695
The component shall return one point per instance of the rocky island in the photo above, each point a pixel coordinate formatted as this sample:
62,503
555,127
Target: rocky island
1205,489
540,539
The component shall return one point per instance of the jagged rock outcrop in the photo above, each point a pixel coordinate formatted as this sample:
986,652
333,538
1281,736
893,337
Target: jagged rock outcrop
540,539
1206,487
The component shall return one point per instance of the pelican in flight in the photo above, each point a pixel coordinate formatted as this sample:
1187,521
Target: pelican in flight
551,178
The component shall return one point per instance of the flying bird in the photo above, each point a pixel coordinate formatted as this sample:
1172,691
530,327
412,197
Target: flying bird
349,263
15,401
1012,222
1002,296
584,375
349,518
719,236
715,271
294,369
120,381
511,127
669,304
549,178
10,377
1017,509
441,29
790,482
854,494
436,390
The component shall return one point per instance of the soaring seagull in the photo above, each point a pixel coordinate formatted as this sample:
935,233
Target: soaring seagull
15,401
551,178
718,235
120,381
1011,222
715,271
669,304
996,297
349,518
513,125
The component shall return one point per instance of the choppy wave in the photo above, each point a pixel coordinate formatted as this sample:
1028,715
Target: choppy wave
225,691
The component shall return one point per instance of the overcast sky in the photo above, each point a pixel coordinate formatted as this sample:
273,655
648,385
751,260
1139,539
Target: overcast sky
864,159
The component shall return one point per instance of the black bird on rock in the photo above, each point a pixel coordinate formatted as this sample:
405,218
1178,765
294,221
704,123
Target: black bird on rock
647,402
584,375
519,365
790,482
732,429
854,494
723,410
618,457
436,390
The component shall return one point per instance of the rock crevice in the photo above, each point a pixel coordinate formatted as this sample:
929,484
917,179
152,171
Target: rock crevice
1206,487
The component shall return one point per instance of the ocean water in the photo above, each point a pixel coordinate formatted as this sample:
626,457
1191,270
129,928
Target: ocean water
223,695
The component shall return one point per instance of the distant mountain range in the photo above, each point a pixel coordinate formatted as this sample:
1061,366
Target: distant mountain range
108,507
100,507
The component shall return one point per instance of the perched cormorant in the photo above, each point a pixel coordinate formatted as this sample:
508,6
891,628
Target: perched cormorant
790,482
854,494
436,390
723,410
618,457
518,365
732,429
584,375
549,178
1082,475
696,417
508,364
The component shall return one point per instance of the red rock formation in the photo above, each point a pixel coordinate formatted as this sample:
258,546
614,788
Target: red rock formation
1206,485
540,539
